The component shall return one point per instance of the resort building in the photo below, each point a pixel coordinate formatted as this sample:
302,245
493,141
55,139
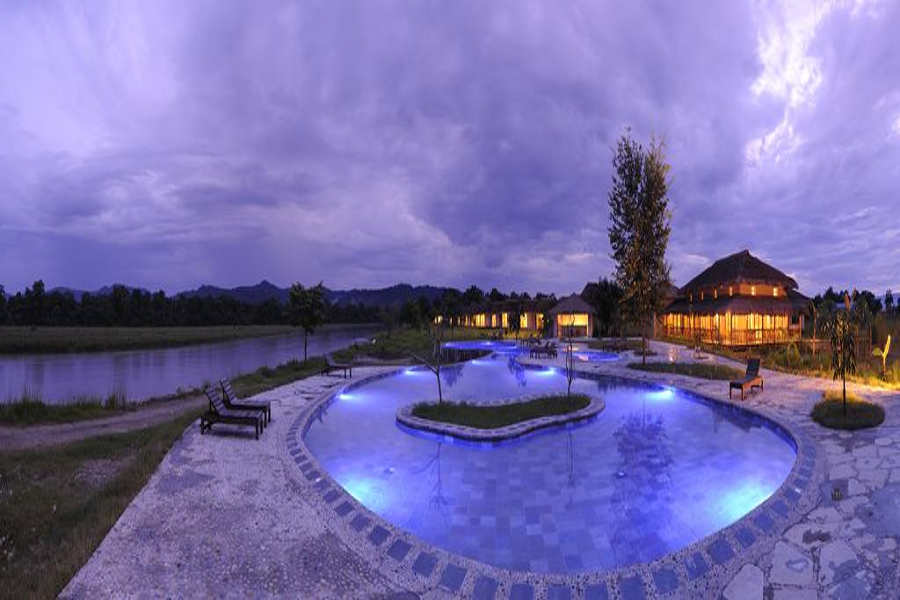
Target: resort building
573,317
499,315
738,301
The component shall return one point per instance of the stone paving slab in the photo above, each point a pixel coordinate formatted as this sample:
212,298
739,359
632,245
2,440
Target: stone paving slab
268,518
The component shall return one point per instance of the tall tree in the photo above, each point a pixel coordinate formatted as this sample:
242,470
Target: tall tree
639,229
306,307
889,302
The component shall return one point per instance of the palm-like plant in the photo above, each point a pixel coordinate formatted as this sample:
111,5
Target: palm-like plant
882,353
842,331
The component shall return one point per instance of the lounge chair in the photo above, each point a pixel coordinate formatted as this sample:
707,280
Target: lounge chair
219,413
751,380
333,365
232,402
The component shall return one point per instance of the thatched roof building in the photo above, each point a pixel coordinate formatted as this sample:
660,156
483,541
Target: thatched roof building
738,300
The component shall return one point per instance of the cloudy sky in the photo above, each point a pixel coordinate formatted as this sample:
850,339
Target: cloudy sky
168,144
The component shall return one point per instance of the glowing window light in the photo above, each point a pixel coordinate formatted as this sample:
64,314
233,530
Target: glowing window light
775,292
752,290
731,290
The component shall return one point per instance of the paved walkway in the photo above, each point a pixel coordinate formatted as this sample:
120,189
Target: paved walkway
228,516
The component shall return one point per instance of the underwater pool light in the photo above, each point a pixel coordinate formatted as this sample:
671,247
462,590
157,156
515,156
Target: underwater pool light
662,395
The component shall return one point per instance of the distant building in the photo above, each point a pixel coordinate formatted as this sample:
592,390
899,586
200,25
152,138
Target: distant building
573,317
738,301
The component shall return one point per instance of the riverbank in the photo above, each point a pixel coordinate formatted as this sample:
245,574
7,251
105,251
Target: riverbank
52,340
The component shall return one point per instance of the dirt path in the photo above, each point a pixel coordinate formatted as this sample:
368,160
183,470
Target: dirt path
36,436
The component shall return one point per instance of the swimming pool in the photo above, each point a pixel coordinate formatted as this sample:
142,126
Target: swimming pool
658,470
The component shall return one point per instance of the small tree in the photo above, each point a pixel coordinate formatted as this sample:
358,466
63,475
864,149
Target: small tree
639,229
434,365
514,319
842,331
306,309
570,366
889,302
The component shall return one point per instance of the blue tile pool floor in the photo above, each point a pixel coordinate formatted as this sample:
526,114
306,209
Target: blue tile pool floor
656,471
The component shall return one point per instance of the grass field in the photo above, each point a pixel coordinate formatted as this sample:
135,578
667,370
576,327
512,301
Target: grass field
31,411
703,371
491,417
22,340
57,504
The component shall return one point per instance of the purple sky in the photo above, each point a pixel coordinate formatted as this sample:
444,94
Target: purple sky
366,143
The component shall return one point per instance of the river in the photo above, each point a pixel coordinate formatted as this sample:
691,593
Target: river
142,374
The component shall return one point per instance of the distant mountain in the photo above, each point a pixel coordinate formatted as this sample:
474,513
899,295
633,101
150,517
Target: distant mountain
104,291
251,294
395,295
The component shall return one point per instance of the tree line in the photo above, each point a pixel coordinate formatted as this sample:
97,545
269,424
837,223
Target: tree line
124,307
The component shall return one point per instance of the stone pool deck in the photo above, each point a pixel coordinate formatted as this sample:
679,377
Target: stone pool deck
229,516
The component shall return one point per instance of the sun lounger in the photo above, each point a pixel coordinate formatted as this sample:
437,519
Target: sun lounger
232,402
751,380
333,365
219,413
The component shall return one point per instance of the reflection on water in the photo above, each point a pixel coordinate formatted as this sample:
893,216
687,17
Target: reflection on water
656,471
142,374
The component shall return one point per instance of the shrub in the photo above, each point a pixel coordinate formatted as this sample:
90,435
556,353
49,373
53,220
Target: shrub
861,414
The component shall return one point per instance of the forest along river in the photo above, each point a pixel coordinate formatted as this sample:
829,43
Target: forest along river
142,374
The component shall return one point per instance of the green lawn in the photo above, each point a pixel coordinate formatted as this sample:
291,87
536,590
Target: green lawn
829,412
703,371
401,343
57,504
491,417
16,340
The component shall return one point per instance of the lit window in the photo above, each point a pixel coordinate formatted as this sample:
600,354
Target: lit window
775,291
716,293
701,296
752,290
731,290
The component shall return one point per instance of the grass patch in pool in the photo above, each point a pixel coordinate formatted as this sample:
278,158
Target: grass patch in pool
704,371
492,417
829,412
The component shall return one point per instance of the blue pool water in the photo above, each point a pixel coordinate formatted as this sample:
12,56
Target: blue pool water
657,470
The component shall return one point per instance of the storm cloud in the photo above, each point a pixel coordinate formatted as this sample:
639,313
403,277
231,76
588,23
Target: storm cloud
169,144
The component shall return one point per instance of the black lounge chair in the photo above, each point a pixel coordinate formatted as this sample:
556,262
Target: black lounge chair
232,402
219,413
547,350
751,380
333,365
